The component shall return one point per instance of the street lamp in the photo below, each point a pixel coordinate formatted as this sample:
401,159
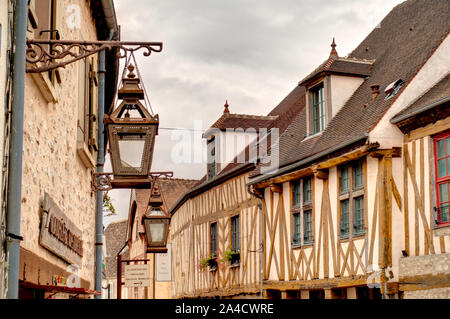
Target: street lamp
156,221
131,131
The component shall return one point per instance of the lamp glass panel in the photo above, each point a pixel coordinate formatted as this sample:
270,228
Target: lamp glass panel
131,150
156,212
157,231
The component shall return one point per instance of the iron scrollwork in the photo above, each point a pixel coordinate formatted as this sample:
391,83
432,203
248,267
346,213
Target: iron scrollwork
48,52
104,182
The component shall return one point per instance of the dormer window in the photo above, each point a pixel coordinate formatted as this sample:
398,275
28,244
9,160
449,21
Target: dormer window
211,158
318,110
393,88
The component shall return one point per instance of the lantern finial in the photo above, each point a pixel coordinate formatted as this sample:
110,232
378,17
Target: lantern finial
131,75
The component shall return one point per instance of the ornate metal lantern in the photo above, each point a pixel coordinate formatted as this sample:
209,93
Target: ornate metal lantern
156,221
131,132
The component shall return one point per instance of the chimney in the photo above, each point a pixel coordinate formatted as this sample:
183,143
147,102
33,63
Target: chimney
375,91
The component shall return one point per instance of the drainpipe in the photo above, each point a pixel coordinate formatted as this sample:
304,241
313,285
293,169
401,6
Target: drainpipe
14,195
261,250
100,163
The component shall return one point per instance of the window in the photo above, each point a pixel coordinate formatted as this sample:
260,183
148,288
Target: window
47,26
442,167
213,238
87,107
297,229
235,233
351,199
302,224
211,158
318,111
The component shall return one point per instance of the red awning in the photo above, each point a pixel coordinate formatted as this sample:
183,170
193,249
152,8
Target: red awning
56,289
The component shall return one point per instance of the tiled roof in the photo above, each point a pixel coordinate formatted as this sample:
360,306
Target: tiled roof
115,238
244,121
402,43
283,114
339,65
435,94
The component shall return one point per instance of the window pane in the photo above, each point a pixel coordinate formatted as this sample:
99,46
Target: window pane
444,213
443,193
358,220
296,193
447,147
213,238
344,179
440,148
307,190
344,218
307,229
235,231
358,175
441,168
296,237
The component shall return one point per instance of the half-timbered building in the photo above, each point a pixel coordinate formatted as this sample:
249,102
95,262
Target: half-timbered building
170,190
214,228
358,207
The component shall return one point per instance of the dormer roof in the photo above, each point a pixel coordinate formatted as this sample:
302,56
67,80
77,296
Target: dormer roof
340,66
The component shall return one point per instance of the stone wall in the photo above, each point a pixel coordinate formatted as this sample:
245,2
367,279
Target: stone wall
426,277
50,160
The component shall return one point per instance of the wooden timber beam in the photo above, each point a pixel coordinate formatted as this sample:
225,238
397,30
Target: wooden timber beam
339,282
380,153
320,173
423,282
276,188
303,172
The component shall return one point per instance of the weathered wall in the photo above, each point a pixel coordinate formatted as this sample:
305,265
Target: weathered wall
4,36
412,268
50,160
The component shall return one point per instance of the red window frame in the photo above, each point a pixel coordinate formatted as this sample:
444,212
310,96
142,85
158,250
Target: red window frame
444,179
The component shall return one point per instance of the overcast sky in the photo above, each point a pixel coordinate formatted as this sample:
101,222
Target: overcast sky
249,52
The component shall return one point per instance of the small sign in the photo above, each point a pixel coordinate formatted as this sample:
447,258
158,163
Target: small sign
164,265
137,275
59,234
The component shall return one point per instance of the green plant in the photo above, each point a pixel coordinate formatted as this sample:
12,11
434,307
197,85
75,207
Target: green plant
108,205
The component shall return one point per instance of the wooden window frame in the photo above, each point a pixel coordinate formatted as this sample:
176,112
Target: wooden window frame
300,209
351,194
87,124
235,238
320,90
441,180
211,146
211,239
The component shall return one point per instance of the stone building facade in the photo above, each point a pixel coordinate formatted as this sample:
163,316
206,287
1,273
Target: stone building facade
5,46
60,154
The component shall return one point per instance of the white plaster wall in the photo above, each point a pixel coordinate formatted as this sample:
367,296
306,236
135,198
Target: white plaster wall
232,144
342,88
437,66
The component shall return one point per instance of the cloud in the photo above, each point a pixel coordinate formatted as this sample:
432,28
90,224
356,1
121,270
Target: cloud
251,52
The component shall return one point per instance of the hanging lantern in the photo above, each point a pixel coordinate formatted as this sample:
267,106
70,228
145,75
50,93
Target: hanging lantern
131,132
156,221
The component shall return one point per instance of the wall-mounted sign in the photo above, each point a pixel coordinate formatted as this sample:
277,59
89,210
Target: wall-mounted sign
59,234
164,265
137,275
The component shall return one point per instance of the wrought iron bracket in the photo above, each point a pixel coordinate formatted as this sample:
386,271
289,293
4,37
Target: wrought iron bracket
44,54
104,181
